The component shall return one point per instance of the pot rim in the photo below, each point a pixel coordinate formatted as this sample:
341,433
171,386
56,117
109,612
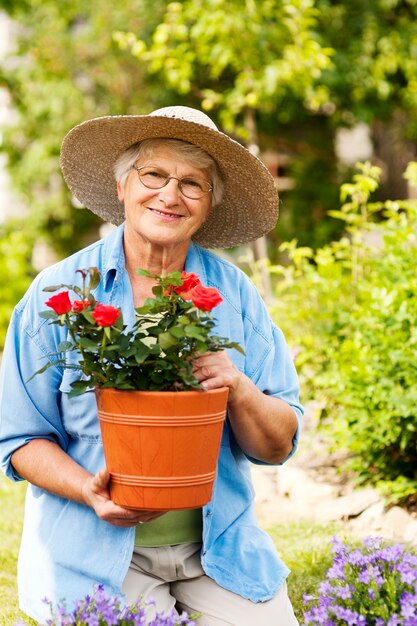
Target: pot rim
219,390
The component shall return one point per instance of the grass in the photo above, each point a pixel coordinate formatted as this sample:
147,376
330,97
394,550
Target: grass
11,517
305,548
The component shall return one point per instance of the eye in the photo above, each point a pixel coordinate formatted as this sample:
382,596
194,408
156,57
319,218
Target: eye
192,183
150,172
152,177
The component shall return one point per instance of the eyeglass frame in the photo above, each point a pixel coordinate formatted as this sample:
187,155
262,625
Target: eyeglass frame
168,178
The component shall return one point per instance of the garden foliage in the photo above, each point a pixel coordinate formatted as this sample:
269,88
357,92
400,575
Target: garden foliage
16,271
350,309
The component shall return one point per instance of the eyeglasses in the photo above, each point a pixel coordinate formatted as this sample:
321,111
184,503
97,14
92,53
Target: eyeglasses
190,187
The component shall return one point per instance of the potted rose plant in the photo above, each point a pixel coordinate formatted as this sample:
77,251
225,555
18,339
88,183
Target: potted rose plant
174,443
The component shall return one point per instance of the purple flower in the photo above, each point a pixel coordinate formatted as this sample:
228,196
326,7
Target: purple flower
317,615
391,554
352,618
338,547
343,592
364,576
357,558
325,587
372,543
410,559
407,573
373,584
307,598
408,604
337,570
100,608
376,575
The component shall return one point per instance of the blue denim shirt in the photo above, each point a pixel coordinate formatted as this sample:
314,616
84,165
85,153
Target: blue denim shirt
65,547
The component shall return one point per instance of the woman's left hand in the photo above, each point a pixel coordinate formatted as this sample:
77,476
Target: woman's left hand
215,369
263,425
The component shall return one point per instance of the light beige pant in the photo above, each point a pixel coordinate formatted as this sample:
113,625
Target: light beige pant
173,577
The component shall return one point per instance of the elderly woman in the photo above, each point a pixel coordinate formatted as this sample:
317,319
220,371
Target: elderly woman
181,187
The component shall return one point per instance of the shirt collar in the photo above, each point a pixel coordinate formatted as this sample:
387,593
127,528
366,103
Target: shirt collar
113,256
194,262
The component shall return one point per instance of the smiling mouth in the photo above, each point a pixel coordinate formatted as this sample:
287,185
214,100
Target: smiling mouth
166,214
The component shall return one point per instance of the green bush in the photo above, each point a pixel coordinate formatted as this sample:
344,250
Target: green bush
16,270
350,309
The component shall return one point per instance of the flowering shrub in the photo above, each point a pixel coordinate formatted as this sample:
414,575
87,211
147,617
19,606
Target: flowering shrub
156,354
101,609
350,308
374,585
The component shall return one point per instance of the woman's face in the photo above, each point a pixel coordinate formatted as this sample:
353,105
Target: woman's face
164,217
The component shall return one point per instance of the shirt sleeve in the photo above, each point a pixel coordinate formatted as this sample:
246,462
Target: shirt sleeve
269,363
29,409
277,376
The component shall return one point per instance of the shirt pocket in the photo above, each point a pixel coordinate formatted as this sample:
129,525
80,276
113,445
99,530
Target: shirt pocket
79,413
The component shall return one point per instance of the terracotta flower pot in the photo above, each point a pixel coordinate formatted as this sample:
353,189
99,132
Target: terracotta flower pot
161,447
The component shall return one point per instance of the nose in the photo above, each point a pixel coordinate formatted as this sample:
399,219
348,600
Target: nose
170,192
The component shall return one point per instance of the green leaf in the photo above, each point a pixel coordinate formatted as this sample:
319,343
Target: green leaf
173,279
94,274
64,346
89,344
49,315
141,353
51,288
43,369
142,272
87,315
157,290
236,346
193,331
166,341
79,387
119,322
177,331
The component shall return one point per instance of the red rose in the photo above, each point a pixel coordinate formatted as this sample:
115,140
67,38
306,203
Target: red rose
60,303
80,305
204,298
105,315
189,280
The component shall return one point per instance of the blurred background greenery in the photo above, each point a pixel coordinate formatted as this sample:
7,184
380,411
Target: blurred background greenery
312,86
283,76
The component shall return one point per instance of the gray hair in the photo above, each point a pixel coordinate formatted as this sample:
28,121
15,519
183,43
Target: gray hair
181,149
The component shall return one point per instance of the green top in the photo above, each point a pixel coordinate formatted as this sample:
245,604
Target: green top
171,529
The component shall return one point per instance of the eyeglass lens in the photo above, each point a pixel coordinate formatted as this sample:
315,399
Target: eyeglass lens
191,187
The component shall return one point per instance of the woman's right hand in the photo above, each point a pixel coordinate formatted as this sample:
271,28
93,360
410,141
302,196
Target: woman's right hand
44,464
96,494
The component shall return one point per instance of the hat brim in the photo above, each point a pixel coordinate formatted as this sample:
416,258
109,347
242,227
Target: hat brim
249,207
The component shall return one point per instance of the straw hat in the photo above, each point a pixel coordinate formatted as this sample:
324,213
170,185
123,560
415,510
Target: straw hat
249,207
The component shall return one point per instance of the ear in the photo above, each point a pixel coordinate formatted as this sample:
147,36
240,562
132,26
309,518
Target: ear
120,192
